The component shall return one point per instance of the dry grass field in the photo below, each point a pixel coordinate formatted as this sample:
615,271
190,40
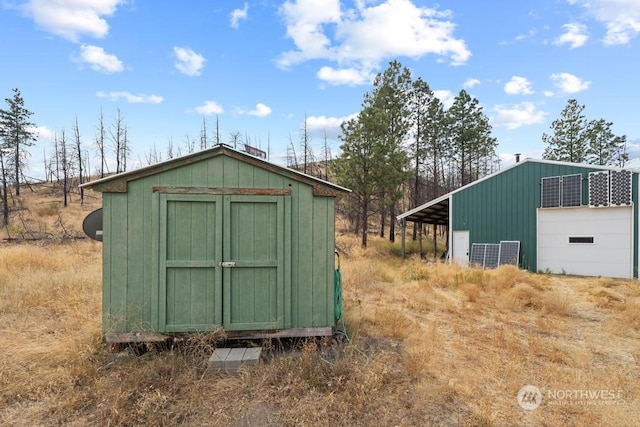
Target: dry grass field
431,344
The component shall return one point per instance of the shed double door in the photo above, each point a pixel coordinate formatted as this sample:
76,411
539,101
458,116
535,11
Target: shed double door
221,262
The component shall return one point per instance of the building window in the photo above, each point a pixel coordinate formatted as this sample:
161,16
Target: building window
581,240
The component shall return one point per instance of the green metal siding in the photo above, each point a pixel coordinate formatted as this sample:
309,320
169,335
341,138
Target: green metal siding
504,206
130,275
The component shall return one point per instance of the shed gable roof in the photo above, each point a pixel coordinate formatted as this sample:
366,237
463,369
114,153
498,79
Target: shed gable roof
118,183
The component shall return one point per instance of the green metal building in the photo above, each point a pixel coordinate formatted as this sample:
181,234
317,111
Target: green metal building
217,240
568,218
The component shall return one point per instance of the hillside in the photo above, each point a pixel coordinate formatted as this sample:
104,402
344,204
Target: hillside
430,344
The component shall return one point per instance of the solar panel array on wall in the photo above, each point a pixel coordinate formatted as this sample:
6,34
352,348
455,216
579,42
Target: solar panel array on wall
561,191
620,188
598,189
609,188
551,192
571,190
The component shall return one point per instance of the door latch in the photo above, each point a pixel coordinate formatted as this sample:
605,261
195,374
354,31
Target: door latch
227,264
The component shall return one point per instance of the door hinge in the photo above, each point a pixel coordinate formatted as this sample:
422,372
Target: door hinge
227,264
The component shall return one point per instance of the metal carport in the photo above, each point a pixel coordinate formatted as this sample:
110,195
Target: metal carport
435,212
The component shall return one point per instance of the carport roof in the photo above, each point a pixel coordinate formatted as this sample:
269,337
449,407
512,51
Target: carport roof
434,212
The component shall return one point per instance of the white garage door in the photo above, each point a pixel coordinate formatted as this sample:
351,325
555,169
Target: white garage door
586,241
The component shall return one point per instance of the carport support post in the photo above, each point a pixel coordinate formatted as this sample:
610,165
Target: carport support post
435,243
403,223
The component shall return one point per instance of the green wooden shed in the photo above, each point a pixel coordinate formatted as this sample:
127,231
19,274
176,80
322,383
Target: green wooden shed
218,240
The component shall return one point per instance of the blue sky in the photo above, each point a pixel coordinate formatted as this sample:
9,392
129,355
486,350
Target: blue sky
260,66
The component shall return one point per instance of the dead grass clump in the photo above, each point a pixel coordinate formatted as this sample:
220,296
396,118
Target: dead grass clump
557,303
50,209
507,276
415,269
631,315
419,299
606,297
471,291
392,323
452,276
522,296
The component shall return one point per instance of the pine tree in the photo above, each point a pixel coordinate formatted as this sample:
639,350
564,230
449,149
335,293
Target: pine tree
16,132
373,162
569,141
604,147
470,133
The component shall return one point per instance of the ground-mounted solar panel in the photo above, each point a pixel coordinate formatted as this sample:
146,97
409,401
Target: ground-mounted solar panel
571,190
492,255
550,192
509,252
598,189
620,188
477,254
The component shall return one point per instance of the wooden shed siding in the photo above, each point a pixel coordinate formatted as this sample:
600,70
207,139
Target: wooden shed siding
504,206
130,279
323,259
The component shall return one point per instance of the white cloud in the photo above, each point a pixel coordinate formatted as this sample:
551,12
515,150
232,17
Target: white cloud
348,76
209,107
620,17
523,114
43,133
470,83
321,125
99,60
131,98
575,35
72,18
532,32
568,83
239,14
261,110
518,86
446,97
359,38
187,61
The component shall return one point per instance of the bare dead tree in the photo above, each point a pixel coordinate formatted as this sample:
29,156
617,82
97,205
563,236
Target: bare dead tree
170,151
100,144
117,134
234,139
153,157
78,147
203,135
292,158
305,147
